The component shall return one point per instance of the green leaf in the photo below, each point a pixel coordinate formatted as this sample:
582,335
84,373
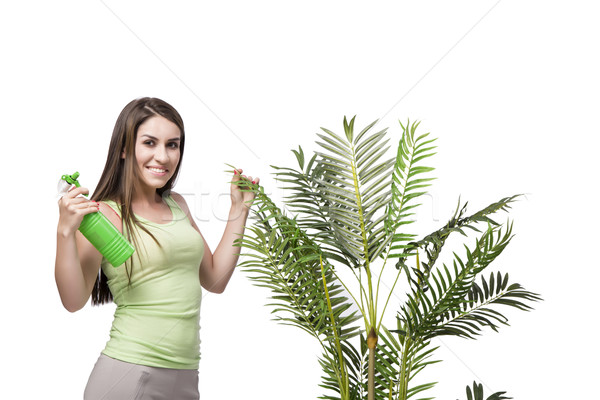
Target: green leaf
299,156
477,393
349,129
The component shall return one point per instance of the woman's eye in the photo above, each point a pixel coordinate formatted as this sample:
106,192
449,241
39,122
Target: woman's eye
172,145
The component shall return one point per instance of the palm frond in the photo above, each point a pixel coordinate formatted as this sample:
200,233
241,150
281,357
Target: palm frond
433,243
477,393
330,380
354,187
494,291
286,261
310,204
406,183
305,291
452,304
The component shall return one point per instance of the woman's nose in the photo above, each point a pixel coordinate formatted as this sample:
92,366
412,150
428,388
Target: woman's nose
161,154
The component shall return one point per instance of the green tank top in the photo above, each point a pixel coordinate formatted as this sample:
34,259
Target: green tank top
157,319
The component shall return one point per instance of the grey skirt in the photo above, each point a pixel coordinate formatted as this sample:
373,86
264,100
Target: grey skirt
113,379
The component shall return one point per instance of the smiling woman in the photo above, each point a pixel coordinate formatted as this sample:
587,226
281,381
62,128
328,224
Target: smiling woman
153,351
157,152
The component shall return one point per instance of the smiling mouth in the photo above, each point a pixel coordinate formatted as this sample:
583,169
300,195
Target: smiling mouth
157,170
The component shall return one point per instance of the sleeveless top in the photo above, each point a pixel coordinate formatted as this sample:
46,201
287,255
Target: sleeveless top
157,319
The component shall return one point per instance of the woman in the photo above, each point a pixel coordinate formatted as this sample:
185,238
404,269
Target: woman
153,351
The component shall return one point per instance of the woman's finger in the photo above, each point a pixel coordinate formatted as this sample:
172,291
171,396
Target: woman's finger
91,208
76,191
87,204
88,208
78,200
66,202
79,204
239,176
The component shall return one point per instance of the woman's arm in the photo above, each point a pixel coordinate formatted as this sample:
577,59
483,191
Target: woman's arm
216,268
77,261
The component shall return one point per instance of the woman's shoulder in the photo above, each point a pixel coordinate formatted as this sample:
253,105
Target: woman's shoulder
180,200
111,211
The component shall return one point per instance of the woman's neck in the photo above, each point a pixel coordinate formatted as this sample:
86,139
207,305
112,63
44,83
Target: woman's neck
146,199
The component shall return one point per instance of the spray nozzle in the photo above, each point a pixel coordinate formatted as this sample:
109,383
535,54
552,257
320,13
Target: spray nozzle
71,179
65,183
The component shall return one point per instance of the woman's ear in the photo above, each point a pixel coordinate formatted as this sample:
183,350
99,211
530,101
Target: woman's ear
123,154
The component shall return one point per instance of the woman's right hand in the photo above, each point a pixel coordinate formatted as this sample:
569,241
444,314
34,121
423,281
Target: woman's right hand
73,208
77,261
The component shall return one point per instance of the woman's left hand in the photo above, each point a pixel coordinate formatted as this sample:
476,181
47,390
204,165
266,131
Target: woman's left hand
239,196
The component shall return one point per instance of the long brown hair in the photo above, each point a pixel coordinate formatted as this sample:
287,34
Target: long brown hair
121,173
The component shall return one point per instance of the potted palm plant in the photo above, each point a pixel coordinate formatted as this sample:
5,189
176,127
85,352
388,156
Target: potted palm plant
349,209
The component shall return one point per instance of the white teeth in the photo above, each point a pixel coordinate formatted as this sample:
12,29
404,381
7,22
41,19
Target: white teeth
157,170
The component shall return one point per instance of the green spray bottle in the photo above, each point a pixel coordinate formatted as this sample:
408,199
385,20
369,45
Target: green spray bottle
98,229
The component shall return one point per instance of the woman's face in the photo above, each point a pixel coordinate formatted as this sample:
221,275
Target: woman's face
157,151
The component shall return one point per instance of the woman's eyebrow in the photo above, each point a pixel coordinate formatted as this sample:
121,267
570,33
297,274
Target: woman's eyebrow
153,138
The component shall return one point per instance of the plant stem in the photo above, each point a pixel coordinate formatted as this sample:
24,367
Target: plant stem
372,323
343,380
360,306
371,344
385,260
388,299
372,338
404,374
371,385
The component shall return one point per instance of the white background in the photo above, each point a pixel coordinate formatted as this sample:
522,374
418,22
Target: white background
509,87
